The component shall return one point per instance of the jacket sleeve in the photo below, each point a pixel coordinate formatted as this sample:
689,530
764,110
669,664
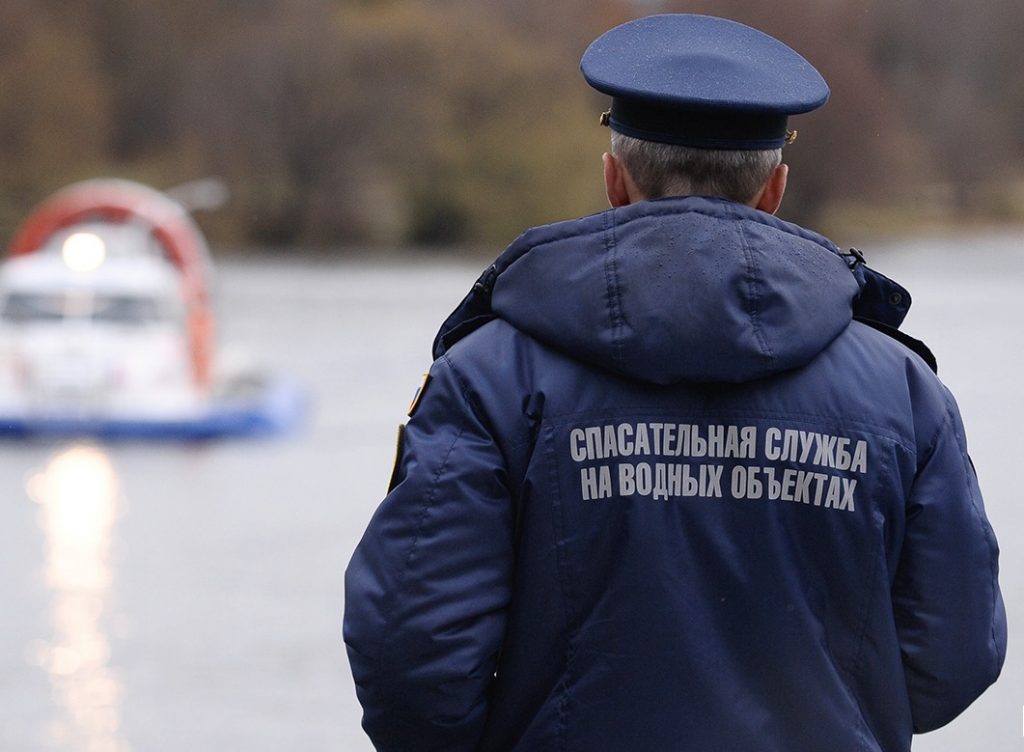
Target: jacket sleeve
949,610
427,587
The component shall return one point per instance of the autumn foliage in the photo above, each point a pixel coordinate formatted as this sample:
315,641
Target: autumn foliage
346,122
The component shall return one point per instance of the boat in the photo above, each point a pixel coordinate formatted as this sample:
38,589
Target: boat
107,327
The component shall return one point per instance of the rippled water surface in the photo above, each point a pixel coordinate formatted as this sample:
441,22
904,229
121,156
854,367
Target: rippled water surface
188,597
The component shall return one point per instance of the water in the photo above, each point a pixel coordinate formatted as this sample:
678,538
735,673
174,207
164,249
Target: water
163,597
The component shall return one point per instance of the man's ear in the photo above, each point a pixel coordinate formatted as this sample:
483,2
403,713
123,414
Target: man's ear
770,198
616,181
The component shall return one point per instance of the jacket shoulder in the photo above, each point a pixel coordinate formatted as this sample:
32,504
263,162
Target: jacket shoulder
896,378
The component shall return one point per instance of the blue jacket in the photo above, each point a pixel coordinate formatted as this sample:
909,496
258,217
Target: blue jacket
663,491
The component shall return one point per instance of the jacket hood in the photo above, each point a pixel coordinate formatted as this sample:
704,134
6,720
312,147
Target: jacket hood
674,290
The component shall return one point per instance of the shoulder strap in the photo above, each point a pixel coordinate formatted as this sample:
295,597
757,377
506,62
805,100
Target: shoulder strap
882,304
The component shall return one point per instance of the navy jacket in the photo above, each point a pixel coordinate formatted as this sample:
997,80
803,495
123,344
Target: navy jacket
663,492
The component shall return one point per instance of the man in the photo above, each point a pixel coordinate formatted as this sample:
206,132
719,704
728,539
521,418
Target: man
676,481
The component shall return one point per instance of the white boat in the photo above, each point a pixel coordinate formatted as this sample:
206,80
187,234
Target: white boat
106,326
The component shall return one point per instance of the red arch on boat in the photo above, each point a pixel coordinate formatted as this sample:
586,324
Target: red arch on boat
117,201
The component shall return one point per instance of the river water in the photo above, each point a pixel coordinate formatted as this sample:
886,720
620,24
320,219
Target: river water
162,597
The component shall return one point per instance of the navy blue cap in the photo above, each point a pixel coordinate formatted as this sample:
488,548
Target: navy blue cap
701,81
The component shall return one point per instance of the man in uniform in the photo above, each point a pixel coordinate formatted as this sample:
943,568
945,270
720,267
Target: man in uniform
676,480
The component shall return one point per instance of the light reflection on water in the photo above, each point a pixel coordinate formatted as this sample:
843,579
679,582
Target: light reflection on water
78,494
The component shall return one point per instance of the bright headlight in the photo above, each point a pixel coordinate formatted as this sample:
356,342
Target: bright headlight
84,251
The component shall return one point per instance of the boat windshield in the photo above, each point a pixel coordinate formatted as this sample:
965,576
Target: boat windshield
128,310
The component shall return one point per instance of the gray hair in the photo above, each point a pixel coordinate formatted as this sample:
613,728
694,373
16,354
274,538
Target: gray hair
661,170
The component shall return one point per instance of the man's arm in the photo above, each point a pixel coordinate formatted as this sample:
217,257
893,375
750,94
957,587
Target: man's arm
949,611
428,585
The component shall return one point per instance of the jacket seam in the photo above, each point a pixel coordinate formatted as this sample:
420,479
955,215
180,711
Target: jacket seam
947,420
561,732
986,531
428,502
754,300
615,316
863,629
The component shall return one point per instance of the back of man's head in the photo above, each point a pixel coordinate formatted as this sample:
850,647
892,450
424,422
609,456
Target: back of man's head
661,170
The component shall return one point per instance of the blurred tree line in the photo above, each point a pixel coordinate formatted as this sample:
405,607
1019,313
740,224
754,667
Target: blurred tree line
339,122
